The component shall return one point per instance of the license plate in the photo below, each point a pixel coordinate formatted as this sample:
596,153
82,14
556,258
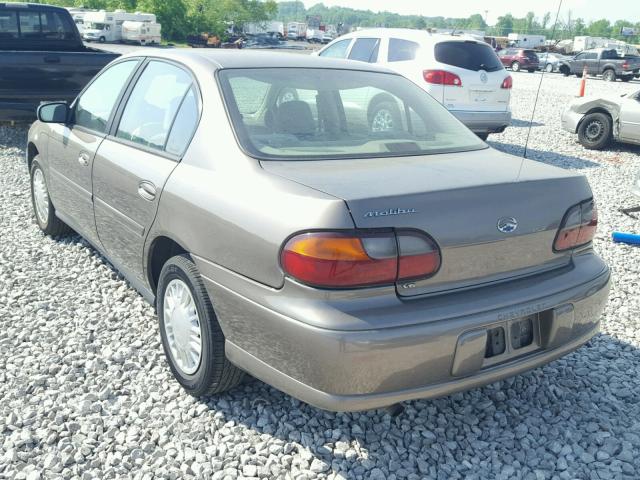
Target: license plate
479,96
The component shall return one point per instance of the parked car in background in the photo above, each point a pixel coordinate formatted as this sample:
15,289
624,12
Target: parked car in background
603,62
550,62
42,58
266,250
464,75
519,59
599,120
142,33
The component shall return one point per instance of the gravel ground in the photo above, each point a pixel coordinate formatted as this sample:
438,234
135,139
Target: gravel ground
85,391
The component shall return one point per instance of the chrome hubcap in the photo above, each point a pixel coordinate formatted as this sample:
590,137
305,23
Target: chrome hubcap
593,131
182,327
40,196
382,121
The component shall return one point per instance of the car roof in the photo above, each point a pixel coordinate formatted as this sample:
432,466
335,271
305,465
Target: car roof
35,6
408,34
232,58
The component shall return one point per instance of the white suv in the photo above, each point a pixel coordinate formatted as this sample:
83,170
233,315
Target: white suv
463,74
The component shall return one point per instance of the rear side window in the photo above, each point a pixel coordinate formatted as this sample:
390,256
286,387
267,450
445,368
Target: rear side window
30,24
184,124
402,50
468,55
153,103
95,105
337,50
55,26
365,50
8,24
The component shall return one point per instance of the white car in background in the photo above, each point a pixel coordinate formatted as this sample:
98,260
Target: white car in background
463,74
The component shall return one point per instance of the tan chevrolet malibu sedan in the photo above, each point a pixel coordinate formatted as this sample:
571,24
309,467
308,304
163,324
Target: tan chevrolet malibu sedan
326,226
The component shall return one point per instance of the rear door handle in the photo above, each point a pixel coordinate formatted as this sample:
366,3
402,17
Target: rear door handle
147,190
83,159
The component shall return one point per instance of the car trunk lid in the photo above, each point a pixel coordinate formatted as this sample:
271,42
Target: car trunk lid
458,199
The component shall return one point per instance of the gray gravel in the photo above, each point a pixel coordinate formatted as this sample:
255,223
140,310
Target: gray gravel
85,392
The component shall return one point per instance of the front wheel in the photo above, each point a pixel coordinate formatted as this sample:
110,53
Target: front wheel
44,210
594,131
549,68
515,66
609,76
192,339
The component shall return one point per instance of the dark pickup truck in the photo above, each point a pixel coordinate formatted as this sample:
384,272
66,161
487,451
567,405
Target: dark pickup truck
42,58
601,61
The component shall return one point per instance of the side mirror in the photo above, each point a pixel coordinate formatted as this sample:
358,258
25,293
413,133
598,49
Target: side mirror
54,112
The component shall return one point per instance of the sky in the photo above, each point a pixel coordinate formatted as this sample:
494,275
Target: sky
585,9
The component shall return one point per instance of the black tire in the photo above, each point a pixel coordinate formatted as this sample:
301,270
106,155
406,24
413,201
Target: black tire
564,70
626,78
515,66
389,110
531,70
609,75
102,39
482,136
52,225
594,132
579,75
214,374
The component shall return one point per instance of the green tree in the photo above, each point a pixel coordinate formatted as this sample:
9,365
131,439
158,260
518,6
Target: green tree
599,28
170,13
504,25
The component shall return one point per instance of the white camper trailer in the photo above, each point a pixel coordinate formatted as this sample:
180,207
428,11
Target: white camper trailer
525,40
107,26
78,17
143,33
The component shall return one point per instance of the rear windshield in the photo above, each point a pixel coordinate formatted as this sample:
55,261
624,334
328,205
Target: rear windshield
530,53
468,55
31,24
295,113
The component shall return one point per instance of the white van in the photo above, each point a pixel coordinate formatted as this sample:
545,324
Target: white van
463,74
143,33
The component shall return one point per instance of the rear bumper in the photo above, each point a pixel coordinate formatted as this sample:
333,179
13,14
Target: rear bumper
570,120
345,370
484,122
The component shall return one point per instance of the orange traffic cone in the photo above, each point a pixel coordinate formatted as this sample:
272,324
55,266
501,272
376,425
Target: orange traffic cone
583,82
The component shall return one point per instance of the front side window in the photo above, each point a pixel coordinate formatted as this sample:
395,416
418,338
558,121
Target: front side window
337,50
365,50
330,113
402,50
153,103
468,55
94,107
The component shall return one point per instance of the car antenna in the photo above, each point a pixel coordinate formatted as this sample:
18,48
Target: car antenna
535,103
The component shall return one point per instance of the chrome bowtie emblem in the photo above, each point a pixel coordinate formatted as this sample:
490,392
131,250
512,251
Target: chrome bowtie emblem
507,224
483,77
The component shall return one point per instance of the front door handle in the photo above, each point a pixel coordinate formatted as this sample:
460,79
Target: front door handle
83,159
147,190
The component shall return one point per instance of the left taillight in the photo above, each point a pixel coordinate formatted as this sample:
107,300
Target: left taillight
507,83
441,77
359,258
578,226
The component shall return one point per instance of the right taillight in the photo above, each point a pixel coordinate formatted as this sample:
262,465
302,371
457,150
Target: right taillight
578,226
359,258
441,77
507,82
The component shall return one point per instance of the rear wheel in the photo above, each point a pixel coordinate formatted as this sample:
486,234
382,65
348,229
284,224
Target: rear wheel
191,336
515,66
594,131
102,39
564,70
609,75
384,116
43,209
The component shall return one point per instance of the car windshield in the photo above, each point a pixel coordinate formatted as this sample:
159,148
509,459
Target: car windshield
296,113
